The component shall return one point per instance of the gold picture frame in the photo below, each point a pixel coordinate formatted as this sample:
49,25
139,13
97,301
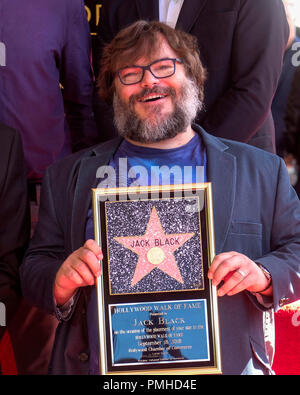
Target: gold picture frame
157,310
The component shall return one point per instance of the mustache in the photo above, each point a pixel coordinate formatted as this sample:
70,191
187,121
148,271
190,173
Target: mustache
147,91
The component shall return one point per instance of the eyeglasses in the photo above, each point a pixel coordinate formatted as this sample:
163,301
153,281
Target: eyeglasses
161,68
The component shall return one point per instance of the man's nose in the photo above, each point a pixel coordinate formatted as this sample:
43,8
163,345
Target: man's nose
149,79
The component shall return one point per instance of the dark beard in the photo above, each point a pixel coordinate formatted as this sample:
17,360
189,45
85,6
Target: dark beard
130,125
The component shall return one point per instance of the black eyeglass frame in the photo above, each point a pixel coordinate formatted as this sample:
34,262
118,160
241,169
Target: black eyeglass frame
148,67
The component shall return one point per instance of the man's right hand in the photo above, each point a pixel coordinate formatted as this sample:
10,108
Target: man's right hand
79,270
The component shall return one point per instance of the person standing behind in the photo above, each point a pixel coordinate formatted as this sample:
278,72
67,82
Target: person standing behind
280,100
241,45
46,83
292,130
46,88
15,223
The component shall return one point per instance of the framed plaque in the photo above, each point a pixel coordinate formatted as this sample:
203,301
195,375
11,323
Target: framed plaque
157,310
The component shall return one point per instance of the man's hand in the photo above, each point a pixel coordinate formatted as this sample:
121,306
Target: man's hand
79,270
238,273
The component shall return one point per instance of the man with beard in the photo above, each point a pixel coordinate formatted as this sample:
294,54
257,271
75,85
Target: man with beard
154,77
242,46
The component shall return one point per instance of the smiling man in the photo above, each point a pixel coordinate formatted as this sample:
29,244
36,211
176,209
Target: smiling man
154,77
158,104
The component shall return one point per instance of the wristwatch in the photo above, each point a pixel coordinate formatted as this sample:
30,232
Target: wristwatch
268,277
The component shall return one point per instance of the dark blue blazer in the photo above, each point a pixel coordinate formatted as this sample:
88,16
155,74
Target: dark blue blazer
256,212
241,42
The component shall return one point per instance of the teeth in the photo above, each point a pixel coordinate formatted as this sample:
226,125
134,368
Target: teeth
152,97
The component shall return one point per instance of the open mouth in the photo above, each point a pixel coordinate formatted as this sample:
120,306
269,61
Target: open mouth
151,98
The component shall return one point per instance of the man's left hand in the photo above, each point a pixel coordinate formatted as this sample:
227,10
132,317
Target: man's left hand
238,273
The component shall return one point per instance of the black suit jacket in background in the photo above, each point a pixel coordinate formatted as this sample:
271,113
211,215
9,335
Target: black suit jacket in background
241,42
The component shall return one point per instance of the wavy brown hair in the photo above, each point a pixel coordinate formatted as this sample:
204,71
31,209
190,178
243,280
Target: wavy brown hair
141,39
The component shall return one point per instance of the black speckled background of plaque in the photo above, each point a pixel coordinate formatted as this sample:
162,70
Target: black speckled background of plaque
130,218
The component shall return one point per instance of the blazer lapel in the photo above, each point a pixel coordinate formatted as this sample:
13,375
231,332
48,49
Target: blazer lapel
221,172
189,13
148,9
86,180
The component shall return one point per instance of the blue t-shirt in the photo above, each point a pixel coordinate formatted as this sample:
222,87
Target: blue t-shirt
134,165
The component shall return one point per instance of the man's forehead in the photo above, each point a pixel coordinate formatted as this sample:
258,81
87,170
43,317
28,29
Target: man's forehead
146,54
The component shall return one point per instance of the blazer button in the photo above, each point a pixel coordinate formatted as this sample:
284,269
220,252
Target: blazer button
83,357
283,302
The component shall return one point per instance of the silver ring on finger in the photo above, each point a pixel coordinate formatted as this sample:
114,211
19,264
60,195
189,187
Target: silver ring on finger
242,273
